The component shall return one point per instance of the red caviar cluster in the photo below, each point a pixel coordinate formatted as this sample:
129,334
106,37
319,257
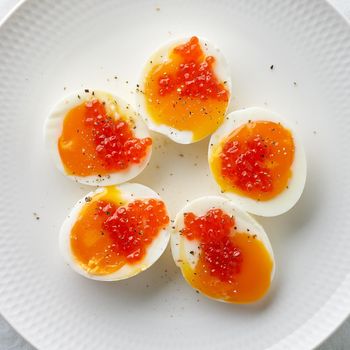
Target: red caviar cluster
218,254
114,140
193,77
132,228
243,163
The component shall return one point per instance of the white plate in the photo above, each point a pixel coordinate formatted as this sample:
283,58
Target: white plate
47,46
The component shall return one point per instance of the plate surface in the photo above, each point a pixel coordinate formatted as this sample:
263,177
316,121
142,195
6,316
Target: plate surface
48,49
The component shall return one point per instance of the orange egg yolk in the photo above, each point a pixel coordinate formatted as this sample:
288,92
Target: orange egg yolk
109,233
255,160
232,266
94,143
184,92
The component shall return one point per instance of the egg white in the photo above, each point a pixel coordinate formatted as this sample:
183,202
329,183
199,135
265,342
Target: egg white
53,130
200,206
286,199
129,192
161,55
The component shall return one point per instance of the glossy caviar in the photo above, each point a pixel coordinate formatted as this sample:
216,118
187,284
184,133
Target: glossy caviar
232,266
255,160
185,93
109,234
92,142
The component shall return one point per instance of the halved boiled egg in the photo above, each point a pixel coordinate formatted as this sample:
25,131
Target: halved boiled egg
258,161
185,90
115,233
222,251
97,138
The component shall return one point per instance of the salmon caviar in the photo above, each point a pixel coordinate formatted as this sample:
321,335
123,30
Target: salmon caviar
232,266
92,142
133,228
185,93
255,160
194,77
107,235
220,257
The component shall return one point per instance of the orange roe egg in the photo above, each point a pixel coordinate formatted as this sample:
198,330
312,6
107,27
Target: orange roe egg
185,93
255,160
107,235
94,143
232,266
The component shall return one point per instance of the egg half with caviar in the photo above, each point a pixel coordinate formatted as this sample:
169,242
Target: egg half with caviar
184,90
115,232
258,160
222,251
97,138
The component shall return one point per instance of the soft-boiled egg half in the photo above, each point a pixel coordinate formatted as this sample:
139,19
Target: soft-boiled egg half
222,251
184,90
258,161
115,233
97,138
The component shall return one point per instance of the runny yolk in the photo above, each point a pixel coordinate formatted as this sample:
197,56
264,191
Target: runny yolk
184,92
232,266
255,160
110,233
94,143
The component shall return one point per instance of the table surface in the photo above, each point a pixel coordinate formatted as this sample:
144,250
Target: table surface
11,340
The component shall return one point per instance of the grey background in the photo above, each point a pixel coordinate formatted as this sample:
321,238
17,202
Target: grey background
11,340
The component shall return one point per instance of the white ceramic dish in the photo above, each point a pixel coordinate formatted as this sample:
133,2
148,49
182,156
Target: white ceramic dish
49,49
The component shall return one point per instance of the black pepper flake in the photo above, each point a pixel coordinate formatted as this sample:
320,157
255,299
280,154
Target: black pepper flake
87,90
88,199
79,97
271,67
197,291
192,252
36,216
294,83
